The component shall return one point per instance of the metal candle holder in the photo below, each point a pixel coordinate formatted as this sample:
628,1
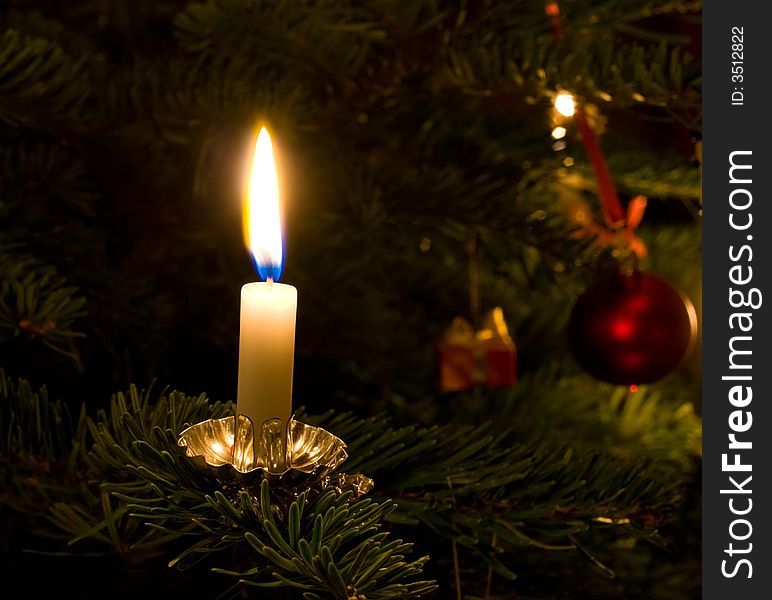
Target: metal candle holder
298,458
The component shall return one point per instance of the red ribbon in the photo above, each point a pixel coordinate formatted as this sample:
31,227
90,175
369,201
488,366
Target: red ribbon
635,210
613,212
553,12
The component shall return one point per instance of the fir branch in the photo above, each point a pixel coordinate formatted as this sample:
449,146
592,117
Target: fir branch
659,177
40,83
655,422
623,76
36,301
499,476
40,449
524,494
35,426
612,13
39,179
135,442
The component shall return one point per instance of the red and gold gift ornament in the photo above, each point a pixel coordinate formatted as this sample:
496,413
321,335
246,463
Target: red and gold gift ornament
468,358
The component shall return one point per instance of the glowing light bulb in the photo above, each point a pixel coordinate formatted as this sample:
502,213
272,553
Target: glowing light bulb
564,104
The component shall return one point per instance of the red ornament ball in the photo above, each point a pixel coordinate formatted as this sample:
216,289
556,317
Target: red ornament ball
632,329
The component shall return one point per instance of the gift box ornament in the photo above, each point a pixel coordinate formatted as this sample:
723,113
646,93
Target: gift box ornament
467,358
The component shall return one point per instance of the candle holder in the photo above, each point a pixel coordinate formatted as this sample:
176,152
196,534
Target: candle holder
293,460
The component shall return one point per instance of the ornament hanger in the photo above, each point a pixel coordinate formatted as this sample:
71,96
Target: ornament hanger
615,217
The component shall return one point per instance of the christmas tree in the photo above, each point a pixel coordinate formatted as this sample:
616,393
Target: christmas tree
441,200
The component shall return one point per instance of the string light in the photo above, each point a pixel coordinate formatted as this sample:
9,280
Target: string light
564,104
559,132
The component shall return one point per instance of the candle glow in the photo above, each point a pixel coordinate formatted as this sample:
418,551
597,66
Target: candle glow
268,309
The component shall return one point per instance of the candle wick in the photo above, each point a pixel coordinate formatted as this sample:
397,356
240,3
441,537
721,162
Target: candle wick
269,280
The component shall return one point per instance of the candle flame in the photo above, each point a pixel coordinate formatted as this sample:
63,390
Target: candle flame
260,211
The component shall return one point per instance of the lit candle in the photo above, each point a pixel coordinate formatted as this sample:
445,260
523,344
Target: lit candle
268,308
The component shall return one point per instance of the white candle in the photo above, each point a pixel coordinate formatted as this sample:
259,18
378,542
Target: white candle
268,309
266,351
